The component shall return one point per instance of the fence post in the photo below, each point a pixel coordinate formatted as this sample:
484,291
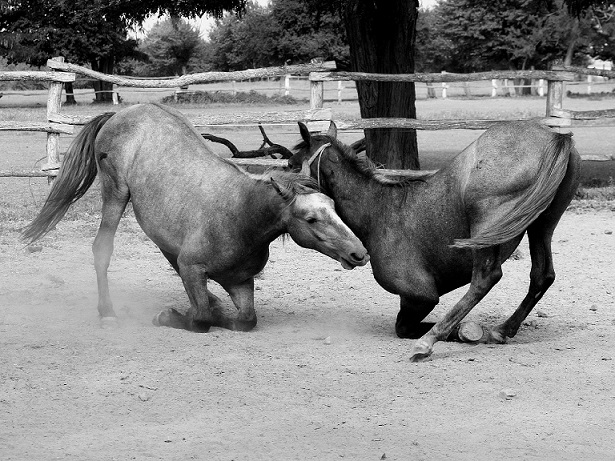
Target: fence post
340,87
541,87
494,87
54,104
444,87
589,84
317,93
555,94
287,85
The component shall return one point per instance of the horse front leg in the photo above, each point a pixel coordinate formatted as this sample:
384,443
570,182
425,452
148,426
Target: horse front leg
486,272
200,316
242,295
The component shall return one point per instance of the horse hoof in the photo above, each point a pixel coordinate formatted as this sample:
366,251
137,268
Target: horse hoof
108,323
495,336
420,357
470,332
170,318
421,352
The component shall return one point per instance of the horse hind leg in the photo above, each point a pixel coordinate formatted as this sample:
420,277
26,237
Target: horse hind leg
114,204
542,273
542,276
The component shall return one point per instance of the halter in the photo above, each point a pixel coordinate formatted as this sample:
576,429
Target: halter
318,153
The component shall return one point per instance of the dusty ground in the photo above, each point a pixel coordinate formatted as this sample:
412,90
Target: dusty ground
322,376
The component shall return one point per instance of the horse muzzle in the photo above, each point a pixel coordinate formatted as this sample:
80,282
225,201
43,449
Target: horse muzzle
354,260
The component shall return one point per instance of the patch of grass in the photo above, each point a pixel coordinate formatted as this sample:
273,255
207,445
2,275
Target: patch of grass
240,97
592,96
596,193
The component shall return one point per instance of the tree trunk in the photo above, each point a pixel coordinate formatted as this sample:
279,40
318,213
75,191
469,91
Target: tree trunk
103,90
382,36
70,95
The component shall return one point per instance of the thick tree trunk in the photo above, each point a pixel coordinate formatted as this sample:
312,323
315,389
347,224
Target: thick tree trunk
103,90
70,95
382,36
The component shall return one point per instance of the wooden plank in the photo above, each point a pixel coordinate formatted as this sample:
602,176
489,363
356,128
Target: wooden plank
37,76
193,79
239,119
47,127
27,173
368,123
571,123
586,71
264,162
254,118
583,114
70,119
597,158
445,77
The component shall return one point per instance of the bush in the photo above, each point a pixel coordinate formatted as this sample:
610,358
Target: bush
241,97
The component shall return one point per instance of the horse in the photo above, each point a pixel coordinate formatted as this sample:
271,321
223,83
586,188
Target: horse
209,218
429,233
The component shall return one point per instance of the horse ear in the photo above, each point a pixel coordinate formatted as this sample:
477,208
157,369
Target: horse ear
305,133
305,168
280,190
332,131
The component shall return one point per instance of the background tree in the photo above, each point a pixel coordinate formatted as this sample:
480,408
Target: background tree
289,31
307,31
92,31
173,47
382,36
246,43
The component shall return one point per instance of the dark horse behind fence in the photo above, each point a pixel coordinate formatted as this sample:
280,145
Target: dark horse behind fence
428,234
210,219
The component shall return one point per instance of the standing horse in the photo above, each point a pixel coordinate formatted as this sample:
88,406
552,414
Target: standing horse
210,219
428,234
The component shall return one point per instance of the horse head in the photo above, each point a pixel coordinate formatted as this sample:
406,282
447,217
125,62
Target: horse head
312,222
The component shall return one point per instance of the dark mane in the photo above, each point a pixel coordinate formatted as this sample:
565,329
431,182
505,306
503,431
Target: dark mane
367,168
295,183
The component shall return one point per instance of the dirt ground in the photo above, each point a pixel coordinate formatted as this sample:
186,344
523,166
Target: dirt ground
322,376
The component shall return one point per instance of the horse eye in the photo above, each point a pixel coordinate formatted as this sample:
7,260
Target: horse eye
311,220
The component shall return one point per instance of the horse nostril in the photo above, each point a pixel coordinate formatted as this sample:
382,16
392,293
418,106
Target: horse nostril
356,257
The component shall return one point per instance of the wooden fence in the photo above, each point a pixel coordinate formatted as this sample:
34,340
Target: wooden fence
317,116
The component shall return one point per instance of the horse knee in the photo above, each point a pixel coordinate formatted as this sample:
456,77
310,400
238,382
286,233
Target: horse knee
542,282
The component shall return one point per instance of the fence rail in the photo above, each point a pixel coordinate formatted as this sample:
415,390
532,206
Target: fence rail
317,116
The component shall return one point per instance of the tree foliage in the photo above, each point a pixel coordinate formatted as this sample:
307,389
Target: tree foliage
478,35
245,43
173,47
92,31
288,31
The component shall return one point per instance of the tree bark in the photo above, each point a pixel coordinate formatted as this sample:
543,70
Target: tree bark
382,36
103,90
70,95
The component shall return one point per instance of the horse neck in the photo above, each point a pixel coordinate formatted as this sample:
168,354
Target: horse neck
264,211
359,200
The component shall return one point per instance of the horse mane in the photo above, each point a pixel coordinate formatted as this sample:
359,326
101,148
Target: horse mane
369,169
293,184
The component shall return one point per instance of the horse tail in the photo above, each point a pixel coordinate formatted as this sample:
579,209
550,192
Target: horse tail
536,198
75,177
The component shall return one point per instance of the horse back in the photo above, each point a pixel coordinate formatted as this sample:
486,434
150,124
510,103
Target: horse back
176,183
510,175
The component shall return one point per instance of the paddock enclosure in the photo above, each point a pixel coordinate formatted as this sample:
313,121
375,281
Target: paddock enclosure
323,375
